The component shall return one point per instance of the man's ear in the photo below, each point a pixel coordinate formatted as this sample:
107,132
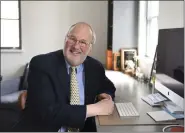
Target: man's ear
90,50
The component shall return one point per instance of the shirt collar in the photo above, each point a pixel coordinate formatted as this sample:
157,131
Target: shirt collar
79,68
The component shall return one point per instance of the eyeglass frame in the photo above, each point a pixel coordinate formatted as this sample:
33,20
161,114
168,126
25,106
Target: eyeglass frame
79,41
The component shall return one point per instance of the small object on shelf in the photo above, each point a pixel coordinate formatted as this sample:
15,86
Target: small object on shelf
128,58
109,60
137,72
128,61
117,61
129,72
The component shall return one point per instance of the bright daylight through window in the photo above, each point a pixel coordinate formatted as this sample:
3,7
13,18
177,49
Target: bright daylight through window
10,25
152,27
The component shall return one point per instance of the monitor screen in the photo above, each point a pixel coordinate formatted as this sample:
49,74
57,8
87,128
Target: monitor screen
170,59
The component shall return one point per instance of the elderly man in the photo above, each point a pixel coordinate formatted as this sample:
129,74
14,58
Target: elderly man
67,88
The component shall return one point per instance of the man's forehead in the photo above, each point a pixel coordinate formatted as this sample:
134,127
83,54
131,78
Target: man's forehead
81,31
81,28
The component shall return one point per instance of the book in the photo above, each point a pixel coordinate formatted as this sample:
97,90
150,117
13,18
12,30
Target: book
154,99
177,116
116,61
173,108
150,102
162,115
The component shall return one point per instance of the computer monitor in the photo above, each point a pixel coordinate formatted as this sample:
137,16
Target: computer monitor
170,57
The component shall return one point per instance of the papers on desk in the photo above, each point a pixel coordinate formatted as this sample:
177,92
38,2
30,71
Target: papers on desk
155,99
161,116
150,102
177,116
173,108
170,111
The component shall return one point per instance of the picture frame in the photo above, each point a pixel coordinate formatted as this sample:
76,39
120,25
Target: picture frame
127,54
117,61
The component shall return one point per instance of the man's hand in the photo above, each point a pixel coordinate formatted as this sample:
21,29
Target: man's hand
103,107
104,96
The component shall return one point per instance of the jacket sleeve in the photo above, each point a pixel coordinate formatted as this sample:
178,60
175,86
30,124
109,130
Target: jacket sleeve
42,102
106,85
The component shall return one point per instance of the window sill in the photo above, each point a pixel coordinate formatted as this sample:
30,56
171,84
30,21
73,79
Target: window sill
145,57
12,50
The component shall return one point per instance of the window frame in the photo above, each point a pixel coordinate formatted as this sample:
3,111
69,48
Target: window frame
148,37
20,32
149,19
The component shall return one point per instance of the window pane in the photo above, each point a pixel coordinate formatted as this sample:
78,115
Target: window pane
9,9
152,37
9,33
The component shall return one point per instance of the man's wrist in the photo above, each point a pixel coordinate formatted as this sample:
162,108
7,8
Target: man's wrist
92,110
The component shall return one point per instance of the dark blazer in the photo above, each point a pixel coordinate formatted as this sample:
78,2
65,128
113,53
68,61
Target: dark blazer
47,106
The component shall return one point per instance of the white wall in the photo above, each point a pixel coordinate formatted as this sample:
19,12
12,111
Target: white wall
125,24
44,25
171,14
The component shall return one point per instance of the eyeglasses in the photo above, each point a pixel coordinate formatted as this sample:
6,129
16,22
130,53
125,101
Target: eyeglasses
73,40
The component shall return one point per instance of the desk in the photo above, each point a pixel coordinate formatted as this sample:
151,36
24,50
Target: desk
130,90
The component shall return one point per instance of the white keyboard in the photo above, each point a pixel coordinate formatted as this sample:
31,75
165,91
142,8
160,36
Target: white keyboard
126,109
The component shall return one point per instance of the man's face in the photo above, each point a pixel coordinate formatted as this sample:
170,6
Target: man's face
77,45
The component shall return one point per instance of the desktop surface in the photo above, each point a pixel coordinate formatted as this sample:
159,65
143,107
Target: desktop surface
130,90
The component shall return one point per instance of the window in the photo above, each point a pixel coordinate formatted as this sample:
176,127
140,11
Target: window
10,25
148,28
152,27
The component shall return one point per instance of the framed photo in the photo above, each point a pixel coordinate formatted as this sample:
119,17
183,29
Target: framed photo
117,61
127,58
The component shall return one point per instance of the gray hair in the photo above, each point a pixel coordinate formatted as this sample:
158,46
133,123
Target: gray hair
93,33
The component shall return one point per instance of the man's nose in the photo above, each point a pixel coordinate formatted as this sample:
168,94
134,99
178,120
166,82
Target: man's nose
76,45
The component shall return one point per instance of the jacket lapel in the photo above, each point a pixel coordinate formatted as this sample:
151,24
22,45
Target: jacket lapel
63,76
87,81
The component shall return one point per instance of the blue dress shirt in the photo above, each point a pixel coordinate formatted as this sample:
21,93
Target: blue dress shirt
81,79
